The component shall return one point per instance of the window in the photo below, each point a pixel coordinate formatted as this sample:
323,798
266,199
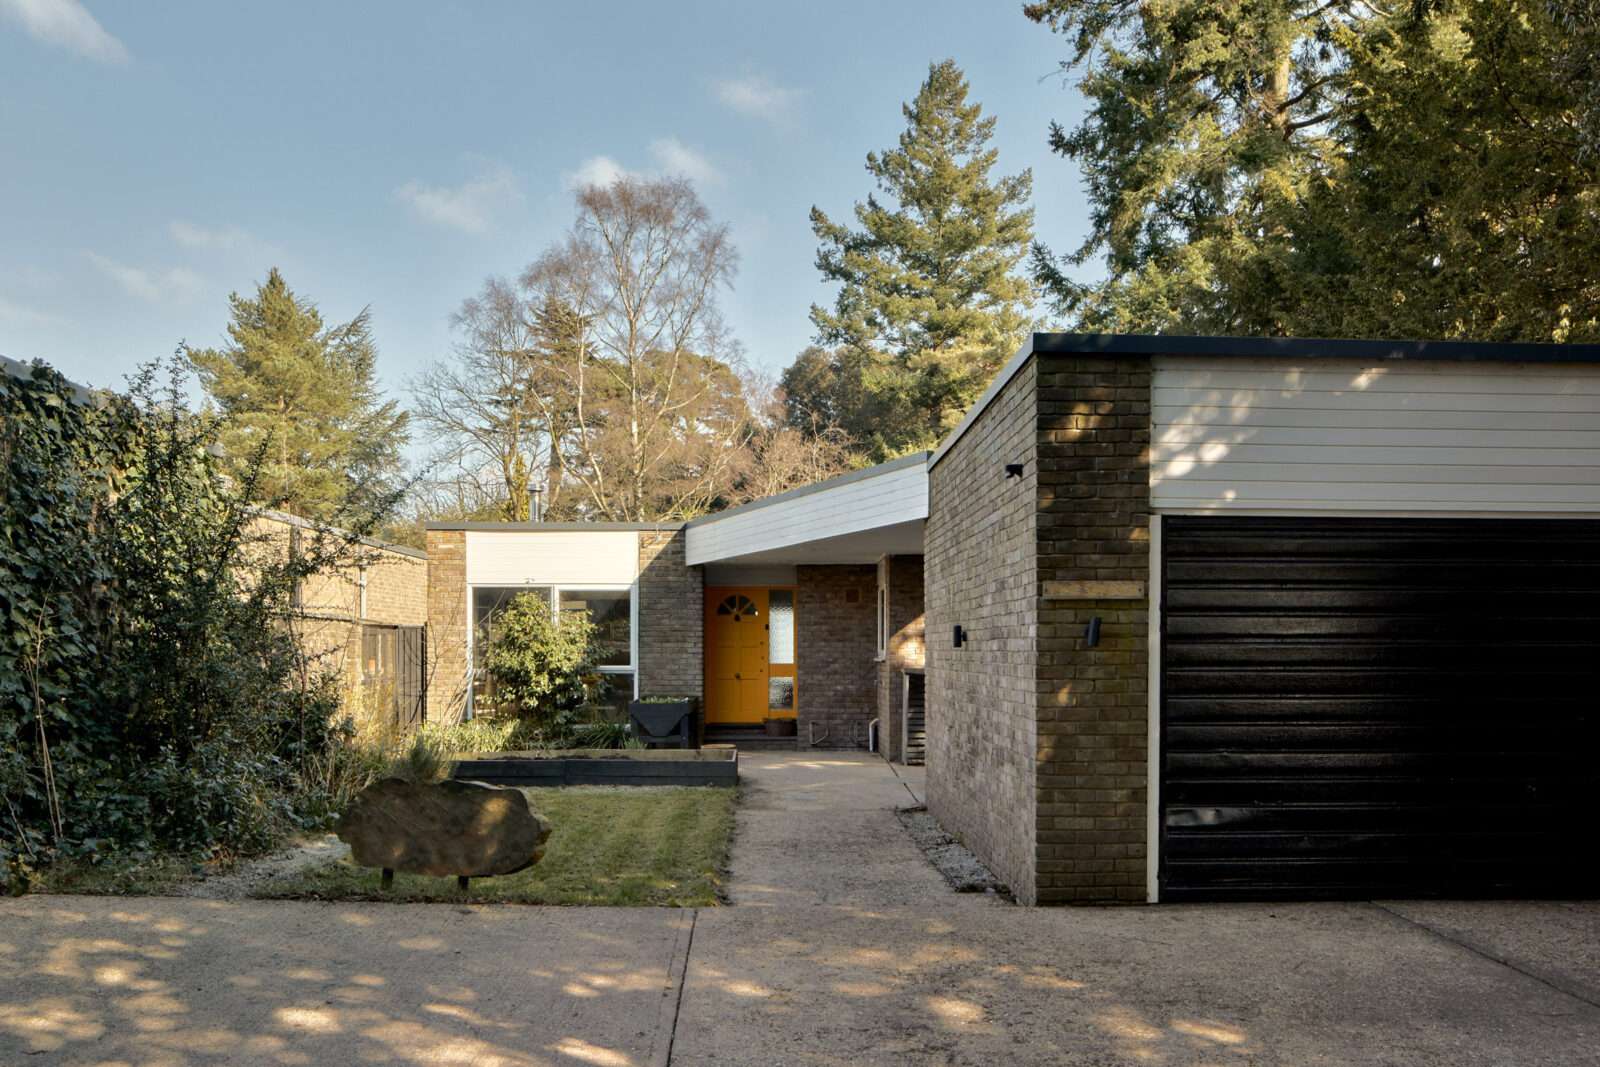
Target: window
780,626
487,603
611,610
883,608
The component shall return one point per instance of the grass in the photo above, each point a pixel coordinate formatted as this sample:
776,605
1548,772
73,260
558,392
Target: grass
619,846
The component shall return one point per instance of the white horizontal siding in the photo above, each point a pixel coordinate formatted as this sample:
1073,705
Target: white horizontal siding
863,503
539,557
1255,434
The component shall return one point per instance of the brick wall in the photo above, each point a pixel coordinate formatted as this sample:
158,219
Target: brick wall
903,576
981,572
835,656
671,618
328,621
447,625
1094,524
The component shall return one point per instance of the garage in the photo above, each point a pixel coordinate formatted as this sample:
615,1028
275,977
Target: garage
1371,707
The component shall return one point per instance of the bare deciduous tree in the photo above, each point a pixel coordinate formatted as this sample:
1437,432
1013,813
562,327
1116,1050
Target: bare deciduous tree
659,420
484,408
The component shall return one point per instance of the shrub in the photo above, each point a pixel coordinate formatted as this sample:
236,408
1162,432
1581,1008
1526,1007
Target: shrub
152,696
539,664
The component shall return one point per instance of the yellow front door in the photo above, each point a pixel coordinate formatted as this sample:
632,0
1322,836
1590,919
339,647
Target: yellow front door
736,655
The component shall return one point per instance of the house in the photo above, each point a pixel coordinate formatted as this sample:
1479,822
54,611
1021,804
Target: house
1190,618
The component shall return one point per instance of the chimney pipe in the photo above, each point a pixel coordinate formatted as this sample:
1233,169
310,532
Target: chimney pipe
535,505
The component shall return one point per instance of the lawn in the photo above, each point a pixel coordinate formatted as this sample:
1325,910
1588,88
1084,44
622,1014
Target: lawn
624,846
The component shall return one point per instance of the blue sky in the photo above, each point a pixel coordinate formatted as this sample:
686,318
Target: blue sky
158,156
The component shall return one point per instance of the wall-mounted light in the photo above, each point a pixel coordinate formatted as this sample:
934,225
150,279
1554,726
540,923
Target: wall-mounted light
959,637
1091,635
1013,470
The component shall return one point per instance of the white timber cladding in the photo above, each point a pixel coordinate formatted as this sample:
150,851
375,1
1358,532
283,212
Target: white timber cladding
1237,434
552,557
861,502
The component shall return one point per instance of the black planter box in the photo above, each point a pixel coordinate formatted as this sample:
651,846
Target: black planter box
714,765
664,722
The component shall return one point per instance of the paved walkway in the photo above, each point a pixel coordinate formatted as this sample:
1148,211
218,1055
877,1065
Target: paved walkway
843,949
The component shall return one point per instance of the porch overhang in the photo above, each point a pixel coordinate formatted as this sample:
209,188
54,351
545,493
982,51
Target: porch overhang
855,518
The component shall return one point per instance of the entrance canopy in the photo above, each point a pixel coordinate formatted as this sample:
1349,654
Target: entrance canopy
855,518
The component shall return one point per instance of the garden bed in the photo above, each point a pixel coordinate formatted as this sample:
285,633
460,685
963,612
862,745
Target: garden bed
603,766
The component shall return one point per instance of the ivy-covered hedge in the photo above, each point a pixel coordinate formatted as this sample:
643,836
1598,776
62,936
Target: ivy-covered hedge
151,697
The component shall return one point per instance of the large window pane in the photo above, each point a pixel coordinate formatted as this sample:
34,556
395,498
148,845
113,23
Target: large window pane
780,626
611,611
487,603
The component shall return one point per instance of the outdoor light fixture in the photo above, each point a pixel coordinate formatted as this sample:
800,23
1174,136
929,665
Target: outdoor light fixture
1013,470
960,636
1091,636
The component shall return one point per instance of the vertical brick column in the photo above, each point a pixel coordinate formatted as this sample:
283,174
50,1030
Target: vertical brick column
1094,525
447,625
671,618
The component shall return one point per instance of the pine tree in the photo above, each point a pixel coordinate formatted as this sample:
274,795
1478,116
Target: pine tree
930,303
307,395
1329,167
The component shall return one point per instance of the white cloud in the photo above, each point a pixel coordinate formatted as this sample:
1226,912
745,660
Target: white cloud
672,157
679,160
153,285
470,207
596,170
67,24
190,235
758,98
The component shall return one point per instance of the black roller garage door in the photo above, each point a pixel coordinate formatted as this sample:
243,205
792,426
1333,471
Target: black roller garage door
1386,707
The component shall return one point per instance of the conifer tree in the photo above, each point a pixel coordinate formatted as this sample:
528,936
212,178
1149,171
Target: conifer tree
307,394
930,302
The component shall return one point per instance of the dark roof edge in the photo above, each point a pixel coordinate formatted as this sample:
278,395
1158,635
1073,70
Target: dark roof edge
1134,344
552,527
308,524
1141,344
911,460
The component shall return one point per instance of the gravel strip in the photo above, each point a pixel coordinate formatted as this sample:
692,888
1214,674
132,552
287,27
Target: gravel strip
242,882
964,871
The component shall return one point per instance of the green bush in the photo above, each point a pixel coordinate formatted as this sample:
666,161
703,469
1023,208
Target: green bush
152,695
540,664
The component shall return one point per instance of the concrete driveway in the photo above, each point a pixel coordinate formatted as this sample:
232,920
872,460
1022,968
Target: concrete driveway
842,948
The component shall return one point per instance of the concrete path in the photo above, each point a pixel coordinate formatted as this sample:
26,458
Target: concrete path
820,829
843,949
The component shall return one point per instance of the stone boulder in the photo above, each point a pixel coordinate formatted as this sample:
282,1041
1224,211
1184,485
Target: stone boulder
466,829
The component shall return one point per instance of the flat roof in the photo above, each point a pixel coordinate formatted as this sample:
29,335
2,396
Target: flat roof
548,527
823,486
1154,344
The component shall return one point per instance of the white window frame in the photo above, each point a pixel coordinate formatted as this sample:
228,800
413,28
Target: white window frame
555,591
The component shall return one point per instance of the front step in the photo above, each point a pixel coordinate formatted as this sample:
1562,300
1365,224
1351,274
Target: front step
750,739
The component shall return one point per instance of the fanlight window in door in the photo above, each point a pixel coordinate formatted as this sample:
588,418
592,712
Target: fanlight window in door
738,606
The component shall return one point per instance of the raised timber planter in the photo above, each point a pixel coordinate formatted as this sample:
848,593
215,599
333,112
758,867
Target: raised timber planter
712,765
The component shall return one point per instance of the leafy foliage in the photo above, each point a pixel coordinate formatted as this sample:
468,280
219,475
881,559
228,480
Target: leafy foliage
930,301
540,664
150,695
301,404
1312,168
